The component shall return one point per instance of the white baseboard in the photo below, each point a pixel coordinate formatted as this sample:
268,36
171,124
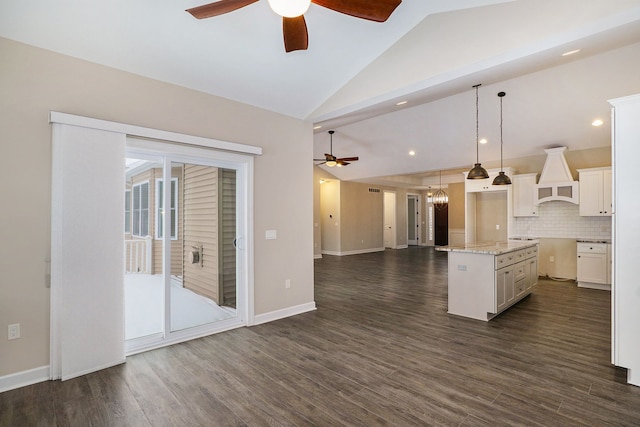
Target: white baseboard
24,378
317,256
285,312
402,247
356,252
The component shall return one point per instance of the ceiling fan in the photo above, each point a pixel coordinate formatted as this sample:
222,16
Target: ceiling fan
294,27
331,160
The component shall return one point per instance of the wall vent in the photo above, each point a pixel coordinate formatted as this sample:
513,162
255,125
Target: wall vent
374,190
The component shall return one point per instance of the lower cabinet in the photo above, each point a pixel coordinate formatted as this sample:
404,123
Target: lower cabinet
515,281
594,265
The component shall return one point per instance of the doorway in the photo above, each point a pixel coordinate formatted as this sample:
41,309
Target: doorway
413,220
441,220
389,231
187,233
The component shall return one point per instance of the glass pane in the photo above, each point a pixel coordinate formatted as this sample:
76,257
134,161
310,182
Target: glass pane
203,285
144,278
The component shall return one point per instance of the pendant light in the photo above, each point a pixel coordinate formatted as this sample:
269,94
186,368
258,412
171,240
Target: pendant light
477,172
440,198
501,179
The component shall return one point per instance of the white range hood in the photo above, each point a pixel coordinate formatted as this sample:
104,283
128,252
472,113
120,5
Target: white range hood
556,182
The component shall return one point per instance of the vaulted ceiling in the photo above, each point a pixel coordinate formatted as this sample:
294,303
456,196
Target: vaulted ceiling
429,53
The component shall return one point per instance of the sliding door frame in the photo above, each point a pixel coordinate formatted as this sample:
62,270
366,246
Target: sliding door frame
233,155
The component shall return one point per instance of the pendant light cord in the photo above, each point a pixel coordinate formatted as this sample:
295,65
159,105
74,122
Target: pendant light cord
501,168
477,126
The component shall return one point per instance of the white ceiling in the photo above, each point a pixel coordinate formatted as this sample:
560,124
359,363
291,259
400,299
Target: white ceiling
429,52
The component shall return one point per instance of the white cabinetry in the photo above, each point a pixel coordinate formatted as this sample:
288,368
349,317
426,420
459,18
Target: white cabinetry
524,194
481,285
595,192
625,298
594,265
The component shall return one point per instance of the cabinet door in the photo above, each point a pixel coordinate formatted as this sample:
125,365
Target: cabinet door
524,194
591,193
607,204
504,288
592,267
532,272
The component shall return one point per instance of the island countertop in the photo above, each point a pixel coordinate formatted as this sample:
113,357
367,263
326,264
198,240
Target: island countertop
488,248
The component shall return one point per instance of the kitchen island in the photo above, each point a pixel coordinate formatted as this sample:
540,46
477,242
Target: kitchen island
486,278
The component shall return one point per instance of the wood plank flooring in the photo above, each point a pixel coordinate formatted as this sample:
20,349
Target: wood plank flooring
379,351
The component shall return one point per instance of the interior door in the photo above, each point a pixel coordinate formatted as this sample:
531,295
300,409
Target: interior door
389,231
413,220
442,225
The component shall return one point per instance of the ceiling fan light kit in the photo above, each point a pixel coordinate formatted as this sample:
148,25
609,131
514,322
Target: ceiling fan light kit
294,27
289,8
477,172
502,178
331,160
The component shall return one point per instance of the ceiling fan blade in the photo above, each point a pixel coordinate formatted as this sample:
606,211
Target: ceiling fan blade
373,10
347,159
295,33
218,8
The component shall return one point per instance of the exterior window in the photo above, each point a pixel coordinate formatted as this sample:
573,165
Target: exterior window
140,210
127,211
173,208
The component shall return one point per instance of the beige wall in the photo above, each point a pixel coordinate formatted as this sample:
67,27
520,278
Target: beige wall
491,213
362,217
35,81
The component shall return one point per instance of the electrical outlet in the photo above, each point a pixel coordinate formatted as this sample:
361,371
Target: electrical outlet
287,283
552,259
497,226
14,331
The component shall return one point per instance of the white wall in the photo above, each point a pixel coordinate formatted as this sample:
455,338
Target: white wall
34,81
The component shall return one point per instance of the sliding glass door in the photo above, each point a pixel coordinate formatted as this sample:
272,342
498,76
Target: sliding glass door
185,265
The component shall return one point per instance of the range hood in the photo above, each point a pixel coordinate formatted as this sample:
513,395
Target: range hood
556,182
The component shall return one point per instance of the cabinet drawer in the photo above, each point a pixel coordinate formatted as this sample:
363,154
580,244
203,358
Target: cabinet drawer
594,248
519,271
520,255
532,251
505,260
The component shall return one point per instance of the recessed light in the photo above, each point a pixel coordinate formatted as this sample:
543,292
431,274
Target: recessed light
597,122
483,141
412,153
401,102
317,127
571,52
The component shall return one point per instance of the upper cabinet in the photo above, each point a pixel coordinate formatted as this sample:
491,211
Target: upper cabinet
524,194
482,185
595,191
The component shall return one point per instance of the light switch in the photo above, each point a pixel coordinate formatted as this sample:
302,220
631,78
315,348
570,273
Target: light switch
270,235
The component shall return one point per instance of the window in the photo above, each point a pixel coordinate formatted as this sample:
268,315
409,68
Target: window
127,211
173,208
140,201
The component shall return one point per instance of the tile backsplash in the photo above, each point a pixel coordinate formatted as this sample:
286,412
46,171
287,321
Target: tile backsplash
562,220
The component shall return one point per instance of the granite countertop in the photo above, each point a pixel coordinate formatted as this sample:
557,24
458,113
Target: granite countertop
488,248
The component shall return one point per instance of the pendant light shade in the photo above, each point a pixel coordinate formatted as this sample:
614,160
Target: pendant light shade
477,172
502,178
440,198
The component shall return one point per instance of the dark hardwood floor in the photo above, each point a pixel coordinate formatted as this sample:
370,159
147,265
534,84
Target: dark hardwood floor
379,350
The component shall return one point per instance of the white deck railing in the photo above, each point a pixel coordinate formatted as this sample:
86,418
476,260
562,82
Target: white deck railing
137,255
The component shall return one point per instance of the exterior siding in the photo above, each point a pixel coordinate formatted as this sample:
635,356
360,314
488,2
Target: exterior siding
200,216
